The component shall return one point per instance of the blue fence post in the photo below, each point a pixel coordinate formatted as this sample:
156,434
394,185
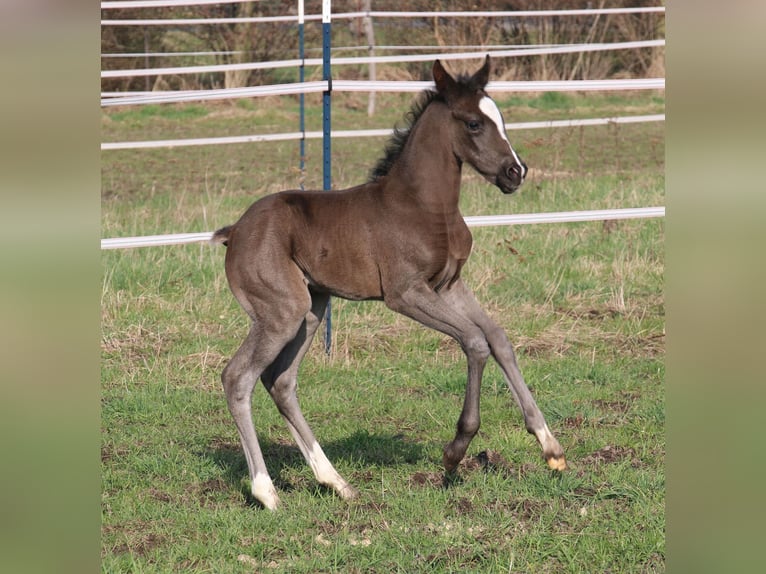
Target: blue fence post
326,127
302,98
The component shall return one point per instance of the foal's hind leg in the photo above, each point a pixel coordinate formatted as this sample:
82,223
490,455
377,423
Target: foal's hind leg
267,337
462,298
239,378
281,380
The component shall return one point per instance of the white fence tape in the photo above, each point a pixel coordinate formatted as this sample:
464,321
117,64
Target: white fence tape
376,86
111,5
349,48
471,221
155,240
350,15
500,13
518,52
364,133
565,216
170,54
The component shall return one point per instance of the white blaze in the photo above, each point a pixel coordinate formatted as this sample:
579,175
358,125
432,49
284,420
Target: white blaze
488,106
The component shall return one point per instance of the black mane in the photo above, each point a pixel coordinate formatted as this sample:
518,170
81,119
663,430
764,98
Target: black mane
397,142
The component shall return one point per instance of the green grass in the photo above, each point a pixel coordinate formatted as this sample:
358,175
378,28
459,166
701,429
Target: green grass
142,113
583,303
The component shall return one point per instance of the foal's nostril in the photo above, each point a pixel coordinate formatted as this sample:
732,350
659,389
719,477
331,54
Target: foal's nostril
517,170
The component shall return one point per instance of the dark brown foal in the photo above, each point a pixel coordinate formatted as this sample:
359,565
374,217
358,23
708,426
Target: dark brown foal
399,238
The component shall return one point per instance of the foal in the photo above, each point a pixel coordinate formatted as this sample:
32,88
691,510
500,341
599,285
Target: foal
399,238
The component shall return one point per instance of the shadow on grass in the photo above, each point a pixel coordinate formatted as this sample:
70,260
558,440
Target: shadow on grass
360,449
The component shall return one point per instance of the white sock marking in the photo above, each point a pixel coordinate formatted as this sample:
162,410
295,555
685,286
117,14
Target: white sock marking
544,436
326,473
323,468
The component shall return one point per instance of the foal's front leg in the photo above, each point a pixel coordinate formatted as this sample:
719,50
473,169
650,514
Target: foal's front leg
462,298
428,307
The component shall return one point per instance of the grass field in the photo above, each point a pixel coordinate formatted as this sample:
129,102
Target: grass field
583,304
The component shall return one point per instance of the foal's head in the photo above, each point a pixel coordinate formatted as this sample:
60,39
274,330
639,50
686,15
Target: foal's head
478,130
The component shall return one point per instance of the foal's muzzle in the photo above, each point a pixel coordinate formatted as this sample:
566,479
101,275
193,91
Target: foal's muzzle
511,176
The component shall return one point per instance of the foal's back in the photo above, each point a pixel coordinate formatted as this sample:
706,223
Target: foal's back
332,237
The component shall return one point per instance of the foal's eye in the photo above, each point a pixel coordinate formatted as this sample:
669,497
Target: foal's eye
473,125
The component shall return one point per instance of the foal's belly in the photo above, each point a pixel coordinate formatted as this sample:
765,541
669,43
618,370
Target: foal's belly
343,270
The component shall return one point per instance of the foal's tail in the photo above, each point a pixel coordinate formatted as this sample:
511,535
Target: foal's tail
222,235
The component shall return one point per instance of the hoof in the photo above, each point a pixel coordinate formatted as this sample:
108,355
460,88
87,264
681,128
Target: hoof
557,463
348,492
264,492
270,505
450,462
451,479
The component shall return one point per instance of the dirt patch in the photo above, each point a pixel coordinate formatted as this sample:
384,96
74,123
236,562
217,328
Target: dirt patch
137,539
611,454
142,546
486,460
621,407
363,476
431,479
592,313
214,485
655,563
574,422
157,494
463,506
207,493
489,461
108,452
528,509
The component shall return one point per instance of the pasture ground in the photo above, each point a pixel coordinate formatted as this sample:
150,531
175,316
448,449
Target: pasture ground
582,302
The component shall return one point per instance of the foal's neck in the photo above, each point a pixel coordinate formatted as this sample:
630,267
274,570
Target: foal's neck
428,168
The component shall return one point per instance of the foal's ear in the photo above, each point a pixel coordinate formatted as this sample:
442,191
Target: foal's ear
480,78
444,82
